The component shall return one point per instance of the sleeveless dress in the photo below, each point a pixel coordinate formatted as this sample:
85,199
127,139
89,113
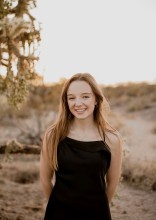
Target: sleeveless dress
79,190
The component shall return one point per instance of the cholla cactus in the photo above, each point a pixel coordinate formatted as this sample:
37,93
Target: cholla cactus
14,27
18,39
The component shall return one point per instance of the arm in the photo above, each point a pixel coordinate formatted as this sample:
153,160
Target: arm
46,173
114,171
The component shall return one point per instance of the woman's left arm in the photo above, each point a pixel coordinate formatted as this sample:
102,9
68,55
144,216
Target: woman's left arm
114,171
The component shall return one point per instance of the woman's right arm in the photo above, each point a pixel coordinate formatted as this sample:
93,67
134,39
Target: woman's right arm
46,173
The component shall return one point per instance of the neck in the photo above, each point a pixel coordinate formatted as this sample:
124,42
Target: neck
83,124
84,130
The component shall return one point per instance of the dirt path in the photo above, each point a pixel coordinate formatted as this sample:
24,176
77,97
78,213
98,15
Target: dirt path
134,204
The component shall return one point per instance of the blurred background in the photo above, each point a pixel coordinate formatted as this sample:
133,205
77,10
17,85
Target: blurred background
44,43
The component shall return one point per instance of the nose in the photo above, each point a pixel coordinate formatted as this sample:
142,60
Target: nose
78,101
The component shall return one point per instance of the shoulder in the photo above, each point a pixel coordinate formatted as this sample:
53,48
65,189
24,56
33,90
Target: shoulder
114,141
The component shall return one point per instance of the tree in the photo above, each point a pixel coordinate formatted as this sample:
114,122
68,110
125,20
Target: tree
19,40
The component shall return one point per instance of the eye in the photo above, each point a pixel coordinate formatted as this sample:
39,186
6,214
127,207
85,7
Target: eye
86,97
71,98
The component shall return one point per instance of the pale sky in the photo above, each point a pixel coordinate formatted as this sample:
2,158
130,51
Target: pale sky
114,40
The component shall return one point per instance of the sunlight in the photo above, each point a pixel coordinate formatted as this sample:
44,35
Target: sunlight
109,43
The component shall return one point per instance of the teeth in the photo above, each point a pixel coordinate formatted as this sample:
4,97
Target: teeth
80,110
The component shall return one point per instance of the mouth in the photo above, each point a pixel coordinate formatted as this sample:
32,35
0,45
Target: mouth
80,110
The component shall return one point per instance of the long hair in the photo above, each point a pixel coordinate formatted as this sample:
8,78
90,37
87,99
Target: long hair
59,129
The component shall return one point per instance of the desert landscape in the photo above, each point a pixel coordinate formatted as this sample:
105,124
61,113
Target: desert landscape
133,113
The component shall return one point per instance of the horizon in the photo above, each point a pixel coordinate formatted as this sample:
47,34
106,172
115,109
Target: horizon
125,83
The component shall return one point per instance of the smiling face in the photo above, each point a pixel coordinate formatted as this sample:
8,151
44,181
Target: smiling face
81,99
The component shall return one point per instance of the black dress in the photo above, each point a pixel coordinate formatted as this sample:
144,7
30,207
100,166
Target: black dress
79,191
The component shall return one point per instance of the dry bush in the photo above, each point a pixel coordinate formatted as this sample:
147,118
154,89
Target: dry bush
136,96
26,176
141,174
122,94
23,168
22,176
154,130
9,111
45,97
139,104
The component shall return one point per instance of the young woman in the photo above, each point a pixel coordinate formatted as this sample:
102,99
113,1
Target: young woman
83,151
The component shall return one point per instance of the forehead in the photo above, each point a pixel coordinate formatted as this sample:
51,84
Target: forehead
77,87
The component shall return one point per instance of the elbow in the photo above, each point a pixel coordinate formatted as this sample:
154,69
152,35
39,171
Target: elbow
47,186
111,190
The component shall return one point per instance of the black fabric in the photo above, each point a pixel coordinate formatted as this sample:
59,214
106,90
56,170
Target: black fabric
79,191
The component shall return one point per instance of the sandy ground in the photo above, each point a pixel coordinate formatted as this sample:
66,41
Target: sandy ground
21,196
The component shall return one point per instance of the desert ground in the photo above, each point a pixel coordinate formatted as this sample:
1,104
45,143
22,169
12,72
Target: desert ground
21,195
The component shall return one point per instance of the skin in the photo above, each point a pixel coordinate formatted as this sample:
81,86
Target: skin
81,102
114,171
46,173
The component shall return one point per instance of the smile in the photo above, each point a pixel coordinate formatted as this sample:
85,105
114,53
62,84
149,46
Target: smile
80,110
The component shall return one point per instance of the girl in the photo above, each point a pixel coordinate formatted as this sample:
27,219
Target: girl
83,151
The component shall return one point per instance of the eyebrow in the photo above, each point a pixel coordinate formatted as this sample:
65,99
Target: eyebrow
84,93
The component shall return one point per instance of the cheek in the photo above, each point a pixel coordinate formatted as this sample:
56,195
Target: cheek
70,105
92,104
93,107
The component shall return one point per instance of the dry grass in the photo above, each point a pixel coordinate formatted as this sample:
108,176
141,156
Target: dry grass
21,169
141,174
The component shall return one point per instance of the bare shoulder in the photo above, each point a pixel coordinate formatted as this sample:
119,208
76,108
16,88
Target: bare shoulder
114,141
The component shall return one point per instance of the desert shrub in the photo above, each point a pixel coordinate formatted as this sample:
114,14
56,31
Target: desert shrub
45,97
140,103
9,111
131,90
26,176
140,174
137,107
135,96
154,130
23,175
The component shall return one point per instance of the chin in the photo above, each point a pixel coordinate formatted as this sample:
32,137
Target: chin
82,117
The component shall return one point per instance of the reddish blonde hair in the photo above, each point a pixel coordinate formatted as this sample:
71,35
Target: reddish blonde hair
59,129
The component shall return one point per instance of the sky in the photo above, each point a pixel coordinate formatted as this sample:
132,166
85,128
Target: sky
113,40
